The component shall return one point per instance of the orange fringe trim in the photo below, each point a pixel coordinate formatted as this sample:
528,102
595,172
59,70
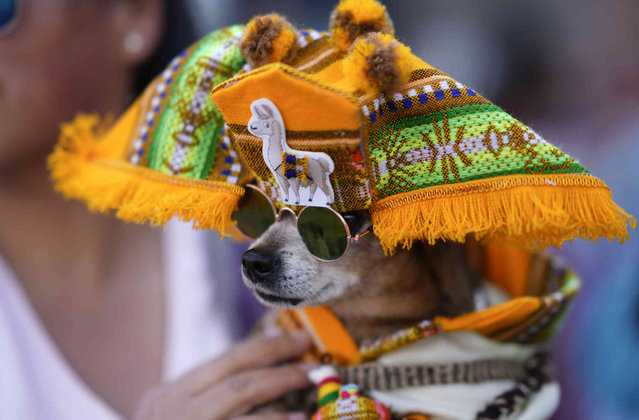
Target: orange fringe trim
137,194
527,210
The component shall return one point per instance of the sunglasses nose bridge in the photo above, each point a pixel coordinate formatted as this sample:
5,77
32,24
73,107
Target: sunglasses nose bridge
284,213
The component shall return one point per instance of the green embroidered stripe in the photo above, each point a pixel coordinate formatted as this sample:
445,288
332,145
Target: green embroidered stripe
232,62
458,145
185,141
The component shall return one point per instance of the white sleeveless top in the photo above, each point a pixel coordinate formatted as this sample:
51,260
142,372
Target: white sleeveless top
36,381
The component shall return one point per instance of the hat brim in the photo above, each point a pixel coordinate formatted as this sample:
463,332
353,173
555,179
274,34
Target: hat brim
87,164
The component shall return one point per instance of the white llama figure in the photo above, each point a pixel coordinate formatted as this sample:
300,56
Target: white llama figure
292,168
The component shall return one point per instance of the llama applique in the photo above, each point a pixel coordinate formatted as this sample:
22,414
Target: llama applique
292,168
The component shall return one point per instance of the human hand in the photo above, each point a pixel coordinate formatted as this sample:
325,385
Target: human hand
230,386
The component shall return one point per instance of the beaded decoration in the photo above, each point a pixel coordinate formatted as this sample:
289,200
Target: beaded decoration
343,402
397,340
328,384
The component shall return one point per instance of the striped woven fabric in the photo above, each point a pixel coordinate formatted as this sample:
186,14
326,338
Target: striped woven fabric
388,377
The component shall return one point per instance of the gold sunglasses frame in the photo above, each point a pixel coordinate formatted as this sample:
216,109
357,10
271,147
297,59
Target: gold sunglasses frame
278,216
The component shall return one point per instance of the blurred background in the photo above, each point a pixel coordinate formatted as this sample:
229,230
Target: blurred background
569,69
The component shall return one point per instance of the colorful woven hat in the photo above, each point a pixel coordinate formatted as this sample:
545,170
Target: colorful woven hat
429,157
167,155
349,119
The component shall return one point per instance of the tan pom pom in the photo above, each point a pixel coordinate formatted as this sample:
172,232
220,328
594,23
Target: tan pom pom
353,18
269,39
378,63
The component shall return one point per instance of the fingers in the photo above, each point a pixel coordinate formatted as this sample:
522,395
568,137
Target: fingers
274,416
251,354
243,391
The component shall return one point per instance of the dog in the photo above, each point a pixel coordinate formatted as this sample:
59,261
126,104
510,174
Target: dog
375,295
371,293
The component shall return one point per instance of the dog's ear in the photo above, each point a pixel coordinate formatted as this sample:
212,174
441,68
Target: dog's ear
453,277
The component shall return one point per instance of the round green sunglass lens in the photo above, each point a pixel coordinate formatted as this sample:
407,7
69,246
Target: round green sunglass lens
254,214
323,232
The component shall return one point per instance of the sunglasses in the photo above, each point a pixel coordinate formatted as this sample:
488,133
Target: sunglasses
324,231
9,13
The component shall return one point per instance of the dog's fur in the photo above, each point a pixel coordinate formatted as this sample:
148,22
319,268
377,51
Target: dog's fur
372,294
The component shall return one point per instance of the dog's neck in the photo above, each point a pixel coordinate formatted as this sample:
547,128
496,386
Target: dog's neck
423,283
369,317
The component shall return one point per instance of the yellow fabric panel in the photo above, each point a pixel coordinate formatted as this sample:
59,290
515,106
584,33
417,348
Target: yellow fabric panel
492,319
329,330
116,142
334,75
290,90
508,266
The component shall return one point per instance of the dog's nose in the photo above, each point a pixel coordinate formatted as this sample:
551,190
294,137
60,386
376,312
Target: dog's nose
257,265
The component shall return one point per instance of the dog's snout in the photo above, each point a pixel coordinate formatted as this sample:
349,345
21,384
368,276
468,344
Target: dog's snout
257,265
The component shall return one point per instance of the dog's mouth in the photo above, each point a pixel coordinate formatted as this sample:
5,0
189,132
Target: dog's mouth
272,298
277,300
